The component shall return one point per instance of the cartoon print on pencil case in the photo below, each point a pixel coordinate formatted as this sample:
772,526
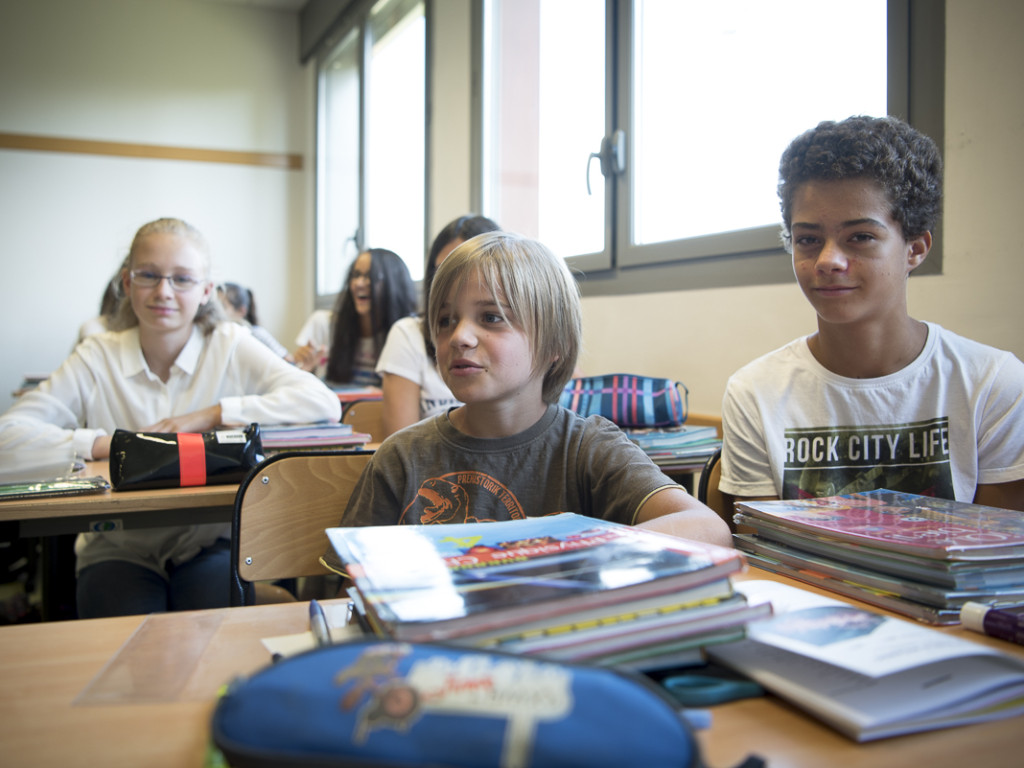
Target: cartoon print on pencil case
509,689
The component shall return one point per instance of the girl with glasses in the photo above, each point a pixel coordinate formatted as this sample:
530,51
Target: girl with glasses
174,363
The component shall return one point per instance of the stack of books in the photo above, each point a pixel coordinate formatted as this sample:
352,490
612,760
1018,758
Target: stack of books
919,556
311,437
677,447
565,587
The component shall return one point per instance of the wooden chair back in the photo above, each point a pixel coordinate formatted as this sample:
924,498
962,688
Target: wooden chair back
281,510
366,416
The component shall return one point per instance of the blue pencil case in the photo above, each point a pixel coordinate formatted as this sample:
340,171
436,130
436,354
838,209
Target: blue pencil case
392,705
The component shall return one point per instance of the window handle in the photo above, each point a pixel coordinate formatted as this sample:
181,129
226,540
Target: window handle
612,156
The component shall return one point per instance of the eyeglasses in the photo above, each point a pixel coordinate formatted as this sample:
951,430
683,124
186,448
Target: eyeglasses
180,283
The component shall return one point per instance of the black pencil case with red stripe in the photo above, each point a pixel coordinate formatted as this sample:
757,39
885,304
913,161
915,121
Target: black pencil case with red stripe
140,460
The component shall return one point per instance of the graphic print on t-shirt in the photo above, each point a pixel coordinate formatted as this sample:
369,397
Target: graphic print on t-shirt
450,498
829,461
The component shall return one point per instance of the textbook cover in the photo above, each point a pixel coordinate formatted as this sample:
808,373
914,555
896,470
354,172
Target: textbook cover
430,582
924,526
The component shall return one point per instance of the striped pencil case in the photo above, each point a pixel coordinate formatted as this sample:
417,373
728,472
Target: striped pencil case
629,400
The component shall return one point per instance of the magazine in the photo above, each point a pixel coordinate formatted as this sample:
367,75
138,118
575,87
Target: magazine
769,553
671,437
848,587
924,526
324,435
952,574
867,675
428,582
67,486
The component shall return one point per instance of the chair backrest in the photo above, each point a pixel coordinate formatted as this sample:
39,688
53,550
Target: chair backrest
707,489
281,510
366,416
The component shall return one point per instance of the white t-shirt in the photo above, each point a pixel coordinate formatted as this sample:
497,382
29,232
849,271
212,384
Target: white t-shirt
318,330
949,421
106,384
405,355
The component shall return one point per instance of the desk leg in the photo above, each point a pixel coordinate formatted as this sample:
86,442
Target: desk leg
58,578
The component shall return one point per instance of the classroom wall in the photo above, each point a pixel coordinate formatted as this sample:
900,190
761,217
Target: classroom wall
701,337
178,73
226,76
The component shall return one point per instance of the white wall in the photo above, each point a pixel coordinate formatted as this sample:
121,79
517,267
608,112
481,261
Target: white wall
701,337
164,72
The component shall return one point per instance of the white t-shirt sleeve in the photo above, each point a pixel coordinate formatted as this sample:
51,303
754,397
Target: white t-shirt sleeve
405,351
316,329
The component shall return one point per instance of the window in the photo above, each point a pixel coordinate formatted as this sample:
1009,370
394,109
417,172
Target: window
686,107
371,145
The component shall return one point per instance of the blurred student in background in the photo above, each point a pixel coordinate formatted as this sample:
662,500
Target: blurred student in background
108,305
240,306
413,389
341,346
174,364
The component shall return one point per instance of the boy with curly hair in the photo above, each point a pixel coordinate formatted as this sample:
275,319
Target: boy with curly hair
875,398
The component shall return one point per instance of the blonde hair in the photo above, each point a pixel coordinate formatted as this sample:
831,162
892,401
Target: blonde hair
211,314
537,286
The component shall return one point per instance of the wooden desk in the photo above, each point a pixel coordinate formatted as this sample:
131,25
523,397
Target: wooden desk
44,667
124,509
56,516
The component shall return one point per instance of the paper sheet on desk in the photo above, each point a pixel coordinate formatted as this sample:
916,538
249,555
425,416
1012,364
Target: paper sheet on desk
337,620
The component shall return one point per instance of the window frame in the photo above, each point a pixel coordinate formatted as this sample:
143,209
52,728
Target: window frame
319,40
916,83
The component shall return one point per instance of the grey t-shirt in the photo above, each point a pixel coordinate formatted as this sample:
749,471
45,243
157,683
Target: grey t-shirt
432,473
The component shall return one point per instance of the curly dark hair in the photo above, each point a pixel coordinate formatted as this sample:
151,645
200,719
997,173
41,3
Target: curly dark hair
903,161
394,297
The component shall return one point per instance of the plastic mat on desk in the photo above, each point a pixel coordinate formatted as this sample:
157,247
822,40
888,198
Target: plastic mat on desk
157,662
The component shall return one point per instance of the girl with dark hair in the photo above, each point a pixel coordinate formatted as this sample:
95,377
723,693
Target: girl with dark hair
413,389
342,346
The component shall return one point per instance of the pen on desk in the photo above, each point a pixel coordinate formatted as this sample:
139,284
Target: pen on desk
318,624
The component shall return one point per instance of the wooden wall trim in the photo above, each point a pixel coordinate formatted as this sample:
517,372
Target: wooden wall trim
292,162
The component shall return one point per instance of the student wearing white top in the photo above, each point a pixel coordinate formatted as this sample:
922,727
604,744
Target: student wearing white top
342,346
108,306
874,398
240,306
177,366
412,387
